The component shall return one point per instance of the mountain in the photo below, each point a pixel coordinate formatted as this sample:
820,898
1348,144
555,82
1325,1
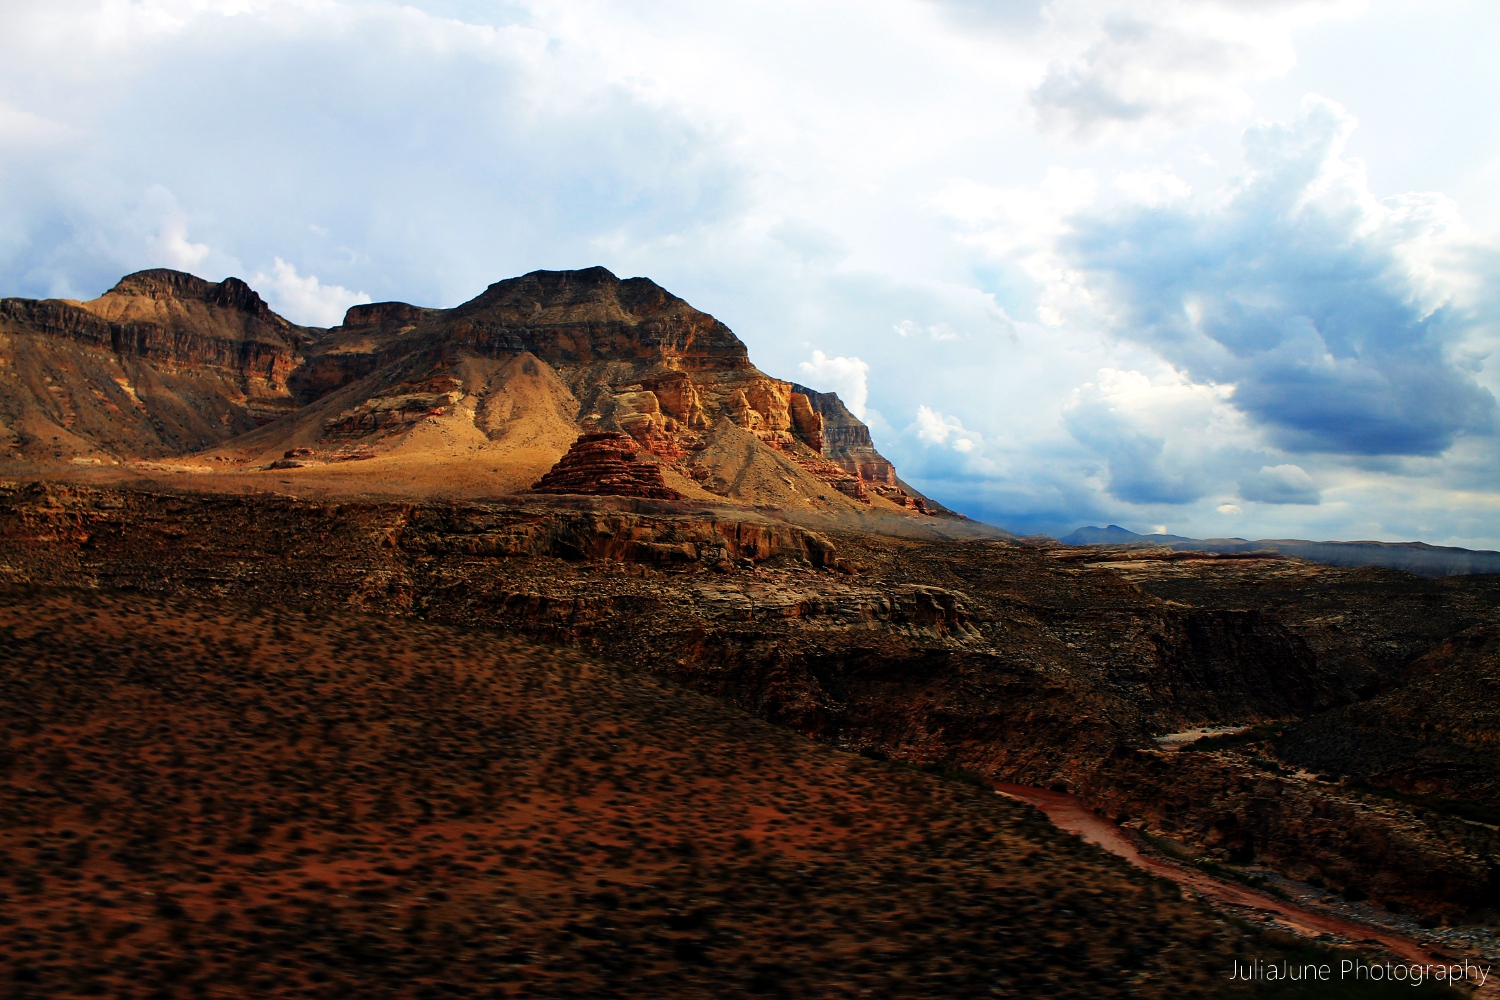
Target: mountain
1411,557
1115,535
592,463
162,364
482,398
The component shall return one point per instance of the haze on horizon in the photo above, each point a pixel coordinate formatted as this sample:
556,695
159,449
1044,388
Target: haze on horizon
1214,268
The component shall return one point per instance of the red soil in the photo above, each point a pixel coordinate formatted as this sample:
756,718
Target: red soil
214,800
1068,812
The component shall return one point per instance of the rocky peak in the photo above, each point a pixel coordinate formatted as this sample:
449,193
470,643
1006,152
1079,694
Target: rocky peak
378,315
587,317
166,284
634,297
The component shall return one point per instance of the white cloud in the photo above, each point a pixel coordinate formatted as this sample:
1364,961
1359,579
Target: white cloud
1229,508
1162,440
305,300
812,243
19,129
1154,187
1149,68
169,246
845,376
937,331
1023,225
1331,311
933,428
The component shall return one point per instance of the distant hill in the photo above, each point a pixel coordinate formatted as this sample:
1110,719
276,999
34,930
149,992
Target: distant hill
1116,535
1412,557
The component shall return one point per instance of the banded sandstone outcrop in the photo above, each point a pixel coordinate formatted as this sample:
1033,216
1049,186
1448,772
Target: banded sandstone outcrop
605,463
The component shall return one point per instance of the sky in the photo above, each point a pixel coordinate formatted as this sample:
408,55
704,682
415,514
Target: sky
1215,268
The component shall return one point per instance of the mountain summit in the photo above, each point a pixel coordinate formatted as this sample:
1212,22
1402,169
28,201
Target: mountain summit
487,396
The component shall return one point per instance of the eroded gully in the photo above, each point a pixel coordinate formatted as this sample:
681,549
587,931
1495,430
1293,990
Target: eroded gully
1068,812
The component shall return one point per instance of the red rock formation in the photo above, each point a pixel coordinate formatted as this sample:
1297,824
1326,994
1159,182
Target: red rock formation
807,421
836,476
845,440
852,486
604,462
897,495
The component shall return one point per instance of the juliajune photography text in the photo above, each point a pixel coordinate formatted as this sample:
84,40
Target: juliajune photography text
1359,971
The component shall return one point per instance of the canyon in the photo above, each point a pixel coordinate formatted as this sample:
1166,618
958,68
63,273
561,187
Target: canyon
590,468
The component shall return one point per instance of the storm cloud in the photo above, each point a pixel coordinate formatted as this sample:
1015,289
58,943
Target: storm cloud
1317,302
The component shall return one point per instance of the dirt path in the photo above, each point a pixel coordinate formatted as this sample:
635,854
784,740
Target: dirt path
1068,812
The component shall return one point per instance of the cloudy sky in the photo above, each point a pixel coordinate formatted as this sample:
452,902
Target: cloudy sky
1223,268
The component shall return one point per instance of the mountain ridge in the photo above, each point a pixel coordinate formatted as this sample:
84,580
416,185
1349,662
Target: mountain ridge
1420,558
167,367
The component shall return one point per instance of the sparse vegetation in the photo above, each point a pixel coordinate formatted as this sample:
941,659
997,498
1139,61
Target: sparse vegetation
501,819
1476,812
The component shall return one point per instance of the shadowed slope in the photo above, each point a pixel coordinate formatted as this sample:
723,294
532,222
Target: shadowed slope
1435,733
213,798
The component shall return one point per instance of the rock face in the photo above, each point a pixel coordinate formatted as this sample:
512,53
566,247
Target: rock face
1433,733
605,463
846,440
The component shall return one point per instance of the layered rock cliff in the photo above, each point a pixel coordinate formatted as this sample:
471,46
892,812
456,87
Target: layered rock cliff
846,439
162,364
605,463
491,393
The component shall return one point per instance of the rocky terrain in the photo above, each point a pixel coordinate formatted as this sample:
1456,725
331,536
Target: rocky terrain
218,799
1020,663
1310,791
1432,734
